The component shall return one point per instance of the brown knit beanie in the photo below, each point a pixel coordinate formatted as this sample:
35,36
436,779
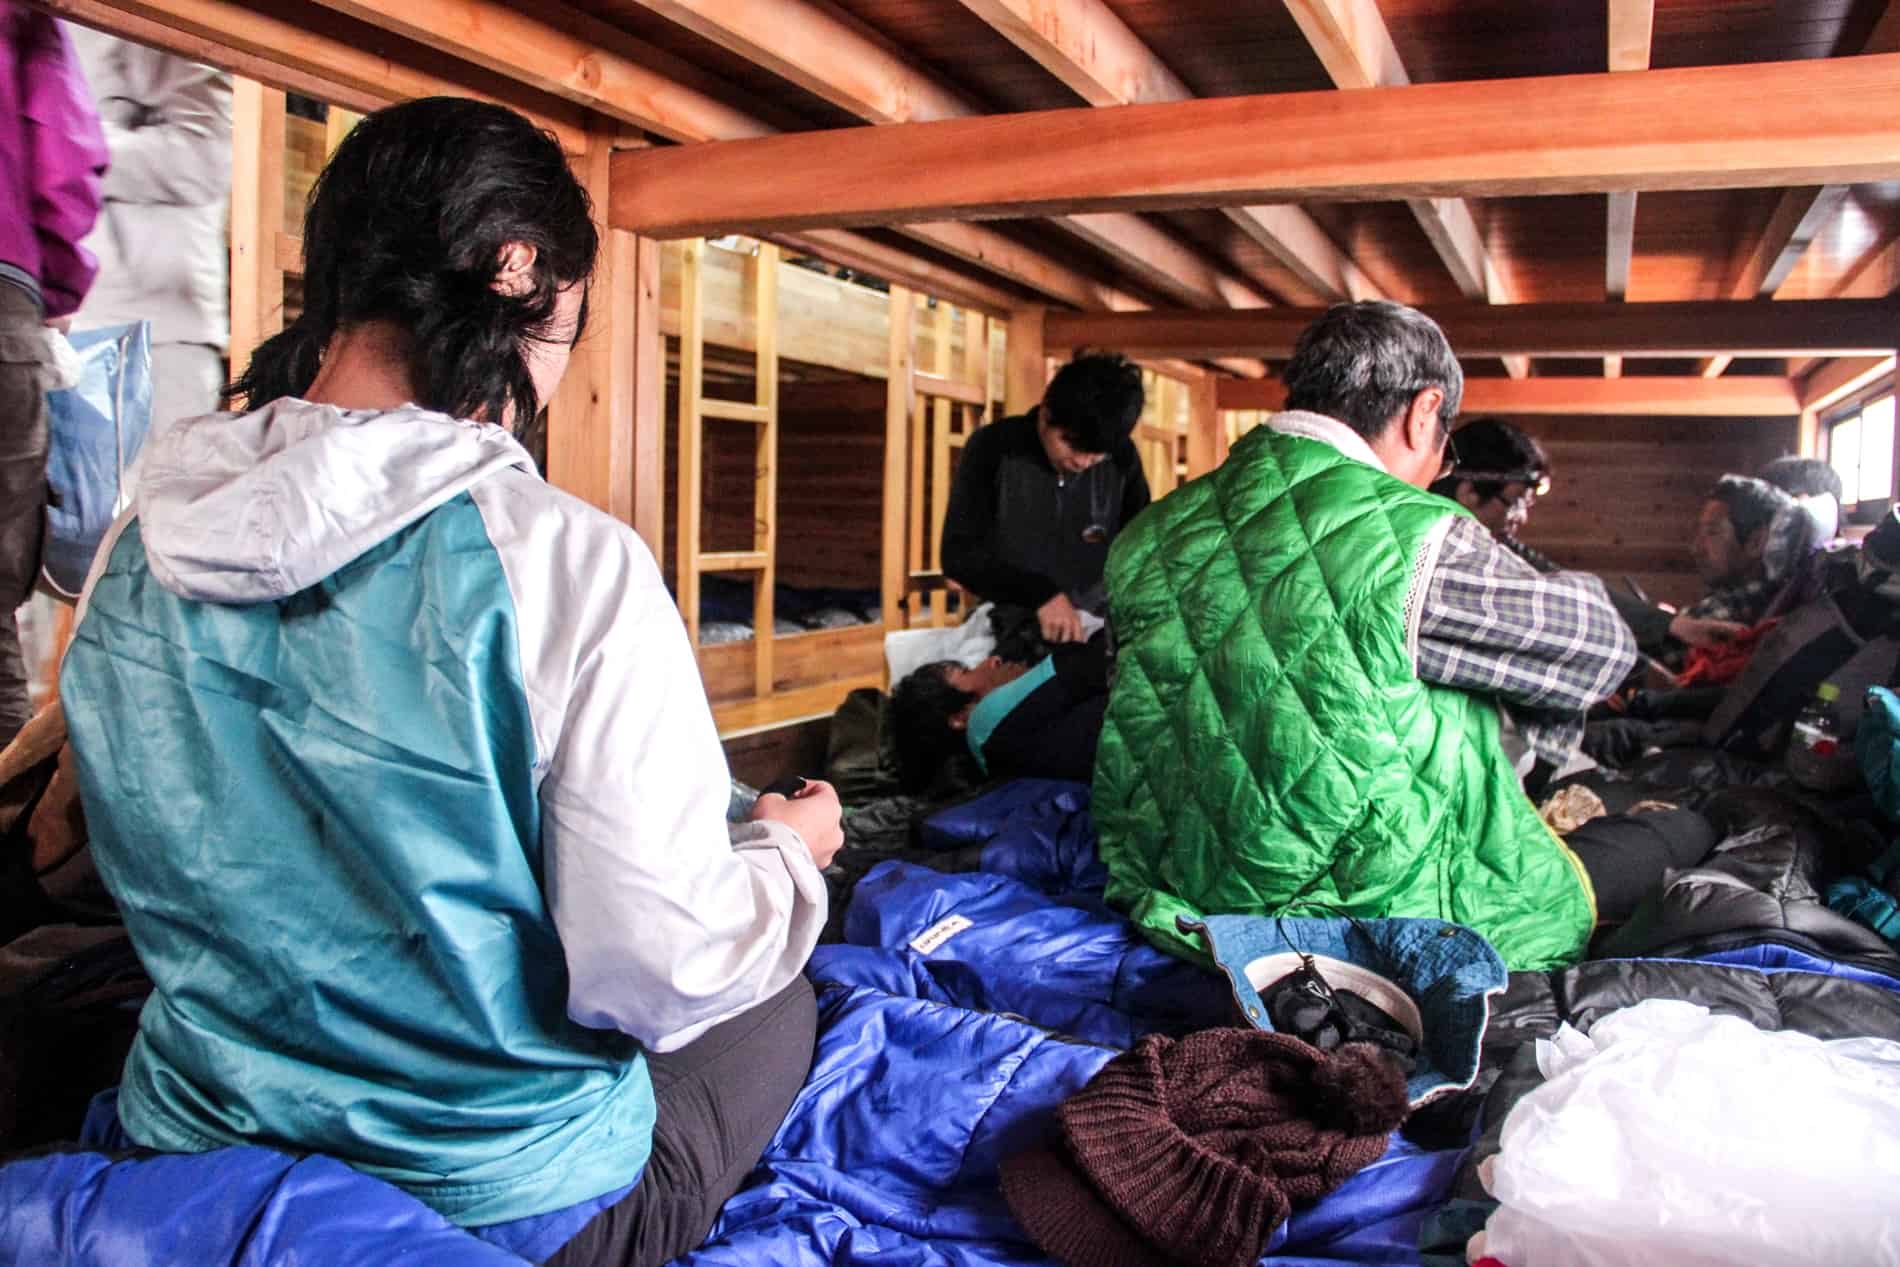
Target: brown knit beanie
1192,1152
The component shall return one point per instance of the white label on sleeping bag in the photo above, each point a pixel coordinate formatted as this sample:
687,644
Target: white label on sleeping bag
939,933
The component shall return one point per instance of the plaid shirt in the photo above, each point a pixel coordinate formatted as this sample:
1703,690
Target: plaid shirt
1744,604
1547,646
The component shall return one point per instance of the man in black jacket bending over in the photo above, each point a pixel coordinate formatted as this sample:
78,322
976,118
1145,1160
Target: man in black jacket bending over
1038,498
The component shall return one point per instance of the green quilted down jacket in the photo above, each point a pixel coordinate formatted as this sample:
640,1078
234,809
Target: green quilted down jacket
1269,747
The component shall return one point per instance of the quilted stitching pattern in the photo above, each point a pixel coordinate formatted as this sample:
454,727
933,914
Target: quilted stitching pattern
1268,746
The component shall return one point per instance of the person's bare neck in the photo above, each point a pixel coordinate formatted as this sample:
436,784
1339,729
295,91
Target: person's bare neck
364,368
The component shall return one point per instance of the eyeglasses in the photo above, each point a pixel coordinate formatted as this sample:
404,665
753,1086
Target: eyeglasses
1536,483
1447,453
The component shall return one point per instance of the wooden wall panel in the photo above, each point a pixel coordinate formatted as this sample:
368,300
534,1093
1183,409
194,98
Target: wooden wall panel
1626,491
830,487
831,483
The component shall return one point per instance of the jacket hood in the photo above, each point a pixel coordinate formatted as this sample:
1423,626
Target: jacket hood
253,507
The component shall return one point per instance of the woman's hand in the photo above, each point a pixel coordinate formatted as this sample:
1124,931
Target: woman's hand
813,812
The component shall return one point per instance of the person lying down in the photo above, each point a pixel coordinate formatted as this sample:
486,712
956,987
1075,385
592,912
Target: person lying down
1015,720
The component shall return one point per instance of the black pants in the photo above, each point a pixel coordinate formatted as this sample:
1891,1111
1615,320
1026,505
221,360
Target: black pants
721,1099
1627,854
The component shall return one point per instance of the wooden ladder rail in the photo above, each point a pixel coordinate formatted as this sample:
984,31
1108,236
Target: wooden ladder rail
760,561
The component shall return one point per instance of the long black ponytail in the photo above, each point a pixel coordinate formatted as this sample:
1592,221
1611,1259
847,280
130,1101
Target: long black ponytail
406,225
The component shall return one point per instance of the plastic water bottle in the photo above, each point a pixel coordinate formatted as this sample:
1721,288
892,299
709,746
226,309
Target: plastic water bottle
1819,759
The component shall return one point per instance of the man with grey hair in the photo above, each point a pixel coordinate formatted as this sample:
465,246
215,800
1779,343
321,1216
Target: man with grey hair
1314,651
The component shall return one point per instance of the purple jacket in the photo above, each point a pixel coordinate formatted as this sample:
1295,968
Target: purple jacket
52,159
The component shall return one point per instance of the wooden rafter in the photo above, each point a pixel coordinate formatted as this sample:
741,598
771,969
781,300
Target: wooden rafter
1839,327
1802,214
569,54
1770,124
1088,47
1631,24
1584,397
1798,217
1352,42
866,255
831,56
588,62
298,47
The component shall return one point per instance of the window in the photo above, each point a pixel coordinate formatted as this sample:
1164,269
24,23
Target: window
1860,448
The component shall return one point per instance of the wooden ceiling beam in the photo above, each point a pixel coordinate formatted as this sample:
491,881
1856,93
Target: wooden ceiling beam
1771,124
1631,25
1351,40
826,53
1090,49
1837,380
1836,327
301,48
1577,397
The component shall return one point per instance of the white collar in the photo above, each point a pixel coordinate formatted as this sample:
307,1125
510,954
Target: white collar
1312,426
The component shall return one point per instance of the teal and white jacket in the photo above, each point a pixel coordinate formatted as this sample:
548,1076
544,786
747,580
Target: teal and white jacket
398,762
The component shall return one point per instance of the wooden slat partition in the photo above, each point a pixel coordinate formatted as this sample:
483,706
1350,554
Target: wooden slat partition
695,409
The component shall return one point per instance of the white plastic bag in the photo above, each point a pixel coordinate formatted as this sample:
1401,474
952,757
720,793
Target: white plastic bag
967,643
1670,1135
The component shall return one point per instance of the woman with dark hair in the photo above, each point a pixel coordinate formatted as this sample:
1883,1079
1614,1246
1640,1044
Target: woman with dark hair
398,762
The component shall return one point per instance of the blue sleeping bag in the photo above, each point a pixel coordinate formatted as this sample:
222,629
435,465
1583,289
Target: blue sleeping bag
966,1008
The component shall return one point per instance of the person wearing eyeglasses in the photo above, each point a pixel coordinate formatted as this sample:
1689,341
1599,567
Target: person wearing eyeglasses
1313,651
1498,473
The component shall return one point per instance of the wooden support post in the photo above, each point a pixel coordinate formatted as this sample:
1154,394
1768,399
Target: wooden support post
648,386
897,407
590,418
765,266
257,217
692,384
1028,373
919,443
940,416
1207,438
337,125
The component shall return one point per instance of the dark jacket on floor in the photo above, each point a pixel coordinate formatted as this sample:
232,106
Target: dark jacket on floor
1051,732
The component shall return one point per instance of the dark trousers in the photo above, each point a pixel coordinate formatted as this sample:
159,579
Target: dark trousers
721,1099
1627,854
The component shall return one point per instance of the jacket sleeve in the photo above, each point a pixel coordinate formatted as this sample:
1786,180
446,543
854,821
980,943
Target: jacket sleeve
180,153
1135,492
1487,622
1648,623
670,922
970,557
65,158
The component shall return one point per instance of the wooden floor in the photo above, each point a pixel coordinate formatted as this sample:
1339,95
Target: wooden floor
787,708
